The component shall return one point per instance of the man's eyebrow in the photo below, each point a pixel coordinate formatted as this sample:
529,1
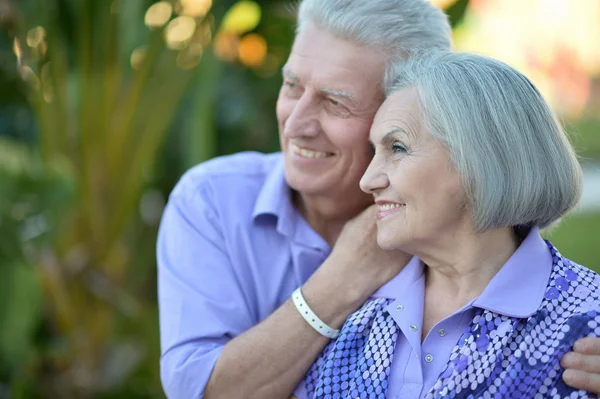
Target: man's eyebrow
338,93
289,74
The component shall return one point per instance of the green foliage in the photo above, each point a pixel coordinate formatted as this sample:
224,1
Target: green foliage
577,237
585,136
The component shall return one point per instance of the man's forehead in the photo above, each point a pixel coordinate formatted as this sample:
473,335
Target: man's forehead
340,82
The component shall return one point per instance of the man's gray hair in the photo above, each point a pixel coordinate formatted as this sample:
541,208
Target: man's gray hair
397,28
517,165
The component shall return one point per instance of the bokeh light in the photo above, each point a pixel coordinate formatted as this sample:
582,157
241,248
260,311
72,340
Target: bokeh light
242,17
158,14
443,4
35,36
554,42
137,58
252,50
225,45
190,56
179,32
194,8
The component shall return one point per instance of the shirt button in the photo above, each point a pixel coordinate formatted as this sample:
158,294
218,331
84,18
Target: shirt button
413,327
442,332
399,308
428,358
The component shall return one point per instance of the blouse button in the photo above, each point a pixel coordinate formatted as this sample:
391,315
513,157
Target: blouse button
442,332
428,358
413,328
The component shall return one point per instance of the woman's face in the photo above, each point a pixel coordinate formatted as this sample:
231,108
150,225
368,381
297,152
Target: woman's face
418,191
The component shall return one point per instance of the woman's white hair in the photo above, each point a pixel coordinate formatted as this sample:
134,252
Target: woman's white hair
397,28
517,165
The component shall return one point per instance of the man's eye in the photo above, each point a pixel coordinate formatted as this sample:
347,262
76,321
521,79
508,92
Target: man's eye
334,102
291,85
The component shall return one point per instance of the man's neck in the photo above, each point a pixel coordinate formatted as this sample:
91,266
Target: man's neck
326,215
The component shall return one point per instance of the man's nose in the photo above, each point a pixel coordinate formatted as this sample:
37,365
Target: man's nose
304,118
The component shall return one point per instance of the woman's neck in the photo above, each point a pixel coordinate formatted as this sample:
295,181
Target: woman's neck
460,269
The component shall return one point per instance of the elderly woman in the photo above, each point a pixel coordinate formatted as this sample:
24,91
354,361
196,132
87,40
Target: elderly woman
469,165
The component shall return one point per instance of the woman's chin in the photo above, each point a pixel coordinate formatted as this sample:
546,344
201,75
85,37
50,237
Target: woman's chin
387,242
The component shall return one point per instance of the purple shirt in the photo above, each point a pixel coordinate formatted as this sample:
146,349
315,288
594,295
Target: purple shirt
417,365
231,249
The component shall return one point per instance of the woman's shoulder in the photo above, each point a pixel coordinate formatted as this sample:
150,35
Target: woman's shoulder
573,289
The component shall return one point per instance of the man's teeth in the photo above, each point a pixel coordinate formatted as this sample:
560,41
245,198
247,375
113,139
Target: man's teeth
308,153
387,207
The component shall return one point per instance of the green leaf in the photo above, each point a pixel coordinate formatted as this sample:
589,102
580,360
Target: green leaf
20,313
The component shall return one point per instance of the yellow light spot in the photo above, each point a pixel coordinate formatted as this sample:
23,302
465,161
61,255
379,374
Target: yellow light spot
252,50
29,76
137,58
242,17
194,8
158,14
35,36
190,57
17,50
179,32
443,4
226,46
203,34
41,50
47,88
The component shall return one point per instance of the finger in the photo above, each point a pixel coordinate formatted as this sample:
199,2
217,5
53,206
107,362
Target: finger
582,380
587,346
578,361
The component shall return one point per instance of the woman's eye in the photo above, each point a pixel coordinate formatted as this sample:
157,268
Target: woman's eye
398,148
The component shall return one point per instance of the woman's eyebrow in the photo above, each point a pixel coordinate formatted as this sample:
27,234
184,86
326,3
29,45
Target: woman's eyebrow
391,135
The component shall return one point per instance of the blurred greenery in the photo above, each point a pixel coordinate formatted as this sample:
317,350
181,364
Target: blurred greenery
585,136
103,105
576,237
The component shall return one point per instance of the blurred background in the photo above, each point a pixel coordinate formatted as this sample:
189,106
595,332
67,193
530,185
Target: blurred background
105,103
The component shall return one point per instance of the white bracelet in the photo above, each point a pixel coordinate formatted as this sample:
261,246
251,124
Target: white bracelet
311,318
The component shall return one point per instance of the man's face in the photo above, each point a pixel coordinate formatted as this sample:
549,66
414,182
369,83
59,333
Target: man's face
330,94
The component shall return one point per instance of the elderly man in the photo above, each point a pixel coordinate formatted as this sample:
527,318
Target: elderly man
241,233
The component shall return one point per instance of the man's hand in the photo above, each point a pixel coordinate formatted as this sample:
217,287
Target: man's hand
356,251
356,267
582,366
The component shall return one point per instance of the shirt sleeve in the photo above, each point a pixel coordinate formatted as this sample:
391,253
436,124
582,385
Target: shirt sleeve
201,302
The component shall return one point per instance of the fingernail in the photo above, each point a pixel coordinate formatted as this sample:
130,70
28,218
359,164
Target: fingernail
568,375
566,360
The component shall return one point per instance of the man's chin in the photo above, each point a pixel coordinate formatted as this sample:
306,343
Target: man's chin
307,185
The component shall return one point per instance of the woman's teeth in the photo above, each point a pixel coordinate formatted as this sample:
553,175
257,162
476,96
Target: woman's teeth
387,207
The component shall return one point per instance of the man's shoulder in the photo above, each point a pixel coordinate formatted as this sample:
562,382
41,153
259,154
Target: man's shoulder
230,172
